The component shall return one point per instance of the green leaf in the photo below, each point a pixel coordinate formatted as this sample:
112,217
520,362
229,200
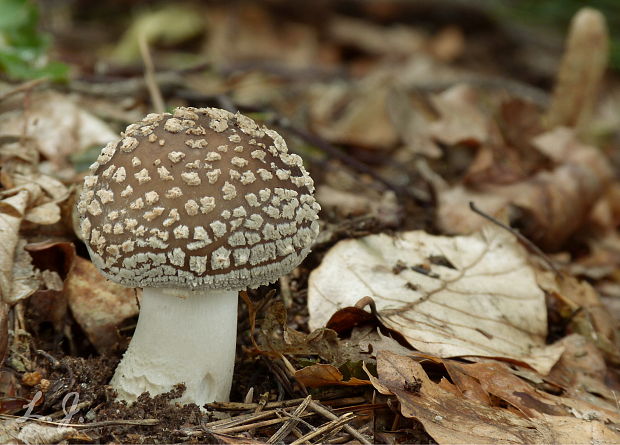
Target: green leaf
22,47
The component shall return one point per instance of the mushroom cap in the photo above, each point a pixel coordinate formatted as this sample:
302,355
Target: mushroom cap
198,199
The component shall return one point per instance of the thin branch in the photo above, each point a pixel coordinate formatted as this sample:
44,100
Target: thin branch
149,76
339,154
24,87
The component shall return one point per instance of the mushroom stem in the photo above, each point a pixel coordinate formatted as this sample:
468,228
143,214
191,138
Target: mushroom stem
187,340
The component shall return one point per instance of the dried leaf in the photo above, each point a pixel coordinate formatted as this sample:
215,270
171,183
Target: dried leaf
24,279
370,340
412,121
582,374
98,305
446,296
550,206
593,320
276,336
357,116
451,418
316,376
460,122
58,125
32,433
12,210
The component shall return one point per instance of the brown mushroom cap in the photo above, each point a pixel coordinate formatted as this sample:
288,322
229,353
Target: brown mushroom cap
201,199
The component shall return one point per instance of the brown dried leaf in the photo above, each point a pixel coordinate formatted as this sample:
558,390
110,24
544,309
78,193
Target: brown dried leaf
250,34
550,206
316,376
460,122
98,305
593,321
582,374
411,119
446,296
355,116
451,418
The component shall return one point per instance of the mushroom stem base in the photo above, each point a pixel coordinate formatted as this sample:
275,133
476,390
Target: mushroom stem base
187,340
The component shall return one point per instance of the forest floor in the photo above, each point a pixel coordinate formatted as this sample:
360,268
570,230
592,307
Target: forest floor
464,287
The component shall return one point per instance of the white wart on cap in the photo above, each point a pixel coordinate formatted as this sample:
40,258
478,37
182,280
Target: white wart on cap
200,199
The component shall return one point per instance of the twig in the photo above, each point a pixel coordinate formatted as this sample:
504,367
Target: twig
526,242
291,422
329,426
149,76
256,425
325,412
239,420
236,406
24,87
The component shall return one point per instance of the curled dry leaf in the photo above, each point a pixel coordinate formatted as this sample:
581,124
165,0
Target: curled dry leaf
449,296
592,319
551,205
98,305
275,336
582,374
315,376
13,207
24,279
451,418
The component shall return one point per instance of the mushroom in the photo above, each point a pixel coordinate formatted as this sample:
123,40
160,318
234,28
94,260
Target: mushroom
193,207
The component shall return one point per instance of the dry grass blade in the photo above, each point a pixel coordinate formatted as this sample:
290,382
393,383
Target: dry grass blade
291,422
328,427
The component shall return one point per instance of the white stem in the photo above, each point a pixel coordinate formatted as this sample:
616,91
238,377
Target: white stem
181,340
